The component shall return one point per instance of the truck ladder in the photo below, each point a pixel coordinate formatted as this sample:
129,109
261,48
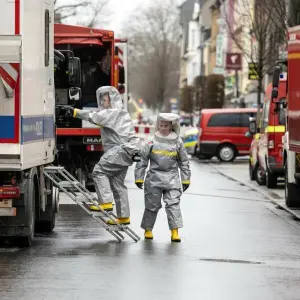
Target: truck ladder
63,180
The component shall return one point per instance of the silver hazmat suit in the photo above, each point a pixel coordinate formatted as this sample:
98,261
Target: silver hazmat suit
166,155
120,143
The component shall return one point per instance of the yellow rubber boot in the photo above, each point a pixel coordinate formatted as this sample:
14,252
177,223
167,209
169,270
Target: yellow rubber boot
121,221
175,236
148,235
105,206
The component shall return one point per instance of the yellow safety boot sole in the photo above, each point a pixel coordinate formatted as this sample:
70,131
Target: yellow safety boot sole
105,206
148,235
175,236
121,221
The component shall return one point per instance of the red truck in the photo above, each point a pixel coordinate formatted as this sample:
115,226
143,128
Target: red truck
291,140
103,62
266,162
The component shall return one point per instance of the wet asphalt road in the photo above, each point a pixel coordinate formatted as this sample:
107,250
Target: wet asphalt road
235,245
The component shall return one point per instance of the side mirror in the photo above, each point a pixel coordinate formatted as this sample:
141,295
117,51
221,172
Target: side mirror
274,94
74,72
75,93
276,77
248,134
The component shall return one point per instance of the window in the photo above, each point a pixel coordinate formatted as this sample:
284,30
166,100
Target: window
230,120
47,37
244,119
281,111
224,120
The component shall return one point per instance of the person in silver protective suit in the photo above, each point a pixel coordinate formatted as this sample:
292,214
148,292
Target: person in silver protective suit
120,145
167,155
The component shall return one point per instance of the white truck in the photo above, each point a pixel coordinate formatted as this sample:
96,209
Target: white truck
28,200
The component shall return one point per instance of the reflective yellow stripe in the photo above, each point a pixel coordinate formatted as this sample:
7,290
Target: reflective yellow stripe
294,55
186,182
270,129
75,113
164,152
257,136
251,159
139,181
190,144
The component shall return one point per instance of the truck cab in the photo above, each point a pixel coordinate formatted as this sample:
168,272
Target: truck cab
103,62
79,142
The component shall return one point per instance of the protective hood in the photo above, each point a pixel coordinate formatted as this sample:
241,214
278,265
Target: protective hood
169,117
114,96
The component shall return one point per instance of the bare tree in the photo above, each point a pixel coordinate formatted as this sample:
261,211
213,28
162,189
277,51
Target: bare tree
284,13
88,10
257,35
153,36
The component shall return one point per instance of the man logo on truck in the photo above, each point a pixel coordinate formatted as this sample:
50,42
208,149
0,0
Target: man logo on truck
92,140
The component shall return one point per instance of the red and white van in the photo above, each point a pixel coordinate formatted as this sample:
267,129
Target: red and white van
222,133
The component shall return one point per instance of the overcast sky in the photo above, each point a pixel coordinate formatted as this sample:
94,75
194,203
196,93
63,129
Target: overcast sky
120,12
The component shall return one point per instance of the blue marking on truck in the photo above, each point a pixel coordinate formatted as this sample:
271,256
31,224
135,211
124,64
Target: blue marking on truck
37,128
7,127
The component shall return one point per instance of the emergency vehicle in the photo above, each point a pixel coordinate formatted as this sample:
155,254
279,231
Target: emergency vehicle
103,62
268,165
222,133
291,140
28,199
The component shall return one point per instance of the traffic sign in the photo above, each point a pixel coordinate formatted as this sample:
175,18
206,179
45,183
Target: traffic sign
233,61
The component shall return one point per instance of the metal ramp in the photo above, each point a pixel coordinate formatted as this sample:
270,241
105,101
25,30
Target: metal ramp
62,179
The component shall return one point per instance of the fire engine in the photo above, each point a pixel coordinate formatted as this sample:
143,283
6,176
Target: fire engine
291,139
103,62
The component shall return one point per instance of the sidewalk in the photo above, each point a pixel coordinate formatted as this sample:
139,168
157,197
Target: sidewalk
238,171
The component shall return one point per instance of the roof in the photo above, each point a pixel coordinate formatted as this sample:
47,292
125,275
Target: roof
63,30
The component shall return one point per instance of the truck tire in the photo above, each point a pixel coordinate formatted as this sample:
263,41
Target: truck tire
260,177
271,180
27,241
292,191
48,223
226,153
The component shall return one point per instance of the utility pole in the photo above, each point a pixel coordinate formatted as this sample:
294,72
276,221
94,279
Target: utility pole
237,90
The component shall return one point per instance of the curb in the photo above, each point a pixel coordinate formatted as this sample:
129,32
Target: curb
296,215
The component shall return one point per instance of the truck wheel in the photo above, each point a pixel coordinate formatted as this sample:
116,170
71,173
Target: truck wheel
292,191
251,171
271,180
260,175
226,153
27,241
47,222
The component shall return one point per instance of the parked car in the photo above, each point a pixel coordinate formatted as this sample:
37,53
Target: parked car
222,133
271,129
190,139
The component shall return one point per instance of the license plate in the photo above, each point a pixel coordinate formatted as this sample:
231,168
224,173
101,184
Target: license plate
8,212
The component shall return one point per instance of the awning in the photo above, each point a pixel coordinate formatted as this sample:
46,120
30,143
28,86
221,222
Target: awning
78,41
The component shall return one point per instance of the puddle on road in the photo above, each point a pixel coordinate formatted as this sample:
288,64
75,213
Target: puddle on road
230,261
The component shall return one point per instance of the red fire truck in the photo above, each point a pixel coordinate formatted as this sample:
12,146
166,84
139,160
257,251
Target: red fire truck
291,140
103,62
